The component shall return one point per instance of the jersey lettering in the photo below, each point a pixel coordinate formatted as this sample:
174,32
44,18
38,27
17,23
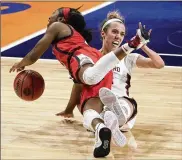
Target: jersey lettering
117,69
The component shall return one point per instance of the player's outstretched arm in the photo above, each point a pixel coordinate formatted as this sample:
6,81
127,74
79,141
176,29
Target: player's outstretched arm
153,60
42,45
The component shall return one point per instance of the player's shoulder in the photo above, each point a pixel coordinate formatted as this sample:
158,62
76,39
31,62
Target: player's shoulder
57,25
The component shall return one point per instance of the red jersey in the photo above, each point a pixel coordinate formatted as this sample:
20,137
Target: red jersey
69,47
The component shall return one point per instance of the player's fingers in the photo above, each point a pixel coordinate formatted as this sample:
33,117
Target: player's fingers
10,70
14,67
150,32
58,114
19,69
140,25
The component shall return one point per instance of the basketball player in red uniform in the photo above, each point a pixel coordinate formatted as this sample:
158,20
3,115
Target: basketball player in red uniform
67,34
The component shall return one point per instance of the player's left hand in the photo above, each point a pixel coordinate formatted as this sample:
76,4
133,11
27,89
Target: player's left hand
65,114
16,67
143,34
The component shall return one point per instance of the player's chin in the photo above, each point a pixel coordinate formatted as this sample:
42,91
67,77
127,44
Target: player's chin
114,47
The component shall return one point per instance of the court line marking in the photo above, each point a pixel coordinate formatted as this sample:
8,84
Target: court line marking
174,55
38,33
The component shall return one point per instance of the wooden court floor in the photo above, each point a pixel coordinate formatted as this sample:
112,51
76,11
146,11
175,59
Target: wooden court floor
30,130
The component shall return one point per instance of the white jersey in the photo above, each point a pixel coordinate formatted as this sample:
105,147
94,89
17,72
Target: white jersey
121,81
122,75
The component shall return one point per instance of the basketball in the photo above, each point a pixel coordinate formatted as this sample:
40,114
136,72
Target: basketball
29,85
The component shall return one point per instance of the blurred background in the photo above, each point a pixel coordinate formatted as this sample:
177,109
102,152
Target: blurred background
23,24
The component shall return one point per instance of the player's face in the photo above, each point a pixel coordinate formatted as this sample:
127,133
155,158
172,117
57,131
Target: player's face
114,35
53,18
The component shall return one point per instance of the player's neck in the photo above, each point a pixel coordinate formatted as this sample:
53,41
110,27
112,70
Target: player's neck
104,51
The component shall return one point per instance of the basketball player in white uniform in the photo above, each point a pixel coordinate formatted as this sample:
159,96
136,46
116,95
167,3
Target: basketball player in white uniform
117,99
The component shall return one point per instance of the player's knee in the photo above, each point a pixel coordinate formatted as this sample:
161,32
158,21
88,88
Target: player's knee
91,77
126,108
88,116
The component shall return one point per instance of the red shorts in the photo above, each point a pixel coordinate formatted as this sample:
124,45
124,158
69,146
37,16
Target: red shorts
93,91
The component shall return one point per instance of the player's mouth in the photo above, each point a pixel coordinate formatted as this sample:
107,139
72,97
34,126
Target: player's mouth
115,43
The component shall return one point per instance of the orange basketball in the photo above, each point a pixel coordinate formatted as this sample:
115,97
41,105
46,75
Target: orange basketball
29,85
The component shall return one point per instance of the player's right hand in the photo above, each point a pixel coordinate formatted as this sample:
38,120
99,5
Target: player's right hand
16,67
65,114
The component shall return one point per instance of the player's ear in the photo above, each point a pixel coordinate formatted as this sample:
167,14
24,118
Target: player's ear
102,34
61,19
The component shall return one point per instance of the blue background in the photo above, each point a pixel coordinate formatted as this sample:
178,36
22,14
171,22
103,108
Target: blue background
164,18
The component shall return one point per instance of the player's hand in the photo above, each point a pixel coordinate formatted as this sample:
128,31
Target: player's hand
143,34
65,114
16,67
142,37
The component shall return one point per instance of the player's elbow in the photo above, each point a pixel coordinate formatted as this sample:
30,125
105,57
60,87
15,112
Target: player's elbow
160,64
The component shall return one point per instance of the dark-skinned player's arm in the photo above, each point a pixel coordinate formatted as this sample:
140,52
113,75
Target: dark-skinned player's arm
73,101
39,49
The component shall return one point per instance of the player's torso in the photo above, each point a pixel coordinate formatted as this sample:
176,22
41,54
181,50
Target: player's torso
74,43
121,80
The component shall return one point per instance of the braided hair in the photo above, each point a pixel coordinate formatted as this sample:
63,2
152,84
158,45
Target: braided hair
74,18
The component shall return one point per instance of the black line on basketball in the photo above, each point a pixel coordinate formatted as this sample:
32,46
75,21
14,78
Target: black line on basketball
32,84
22,83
